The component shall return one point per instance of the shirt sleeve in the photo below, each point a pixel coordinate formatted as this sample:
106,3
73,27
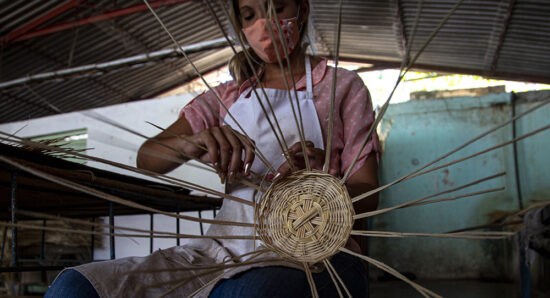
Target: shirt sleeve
204,111
357,118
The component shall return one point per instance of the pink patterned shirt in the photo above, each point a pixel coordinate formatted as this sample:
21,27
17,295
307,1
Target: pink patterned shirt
352,120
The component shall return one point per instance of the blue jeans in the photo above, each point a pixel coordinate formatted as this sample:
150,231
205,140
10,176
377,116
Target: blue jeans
71,284
273,281
281,282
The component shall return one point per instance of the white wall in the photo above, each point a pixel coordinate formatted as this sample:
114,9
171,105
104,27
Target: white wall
115,144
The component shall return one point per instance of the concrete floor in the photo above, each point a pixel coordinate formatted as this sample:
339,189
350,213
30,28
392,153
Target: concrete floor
445,288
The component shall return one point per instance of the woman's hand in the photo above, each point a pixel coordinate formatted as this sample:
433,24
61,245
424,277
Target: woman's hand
296,154
353,246
224,151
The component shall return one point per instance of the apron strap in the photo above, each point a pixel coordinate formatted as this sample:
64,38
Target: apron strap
308,78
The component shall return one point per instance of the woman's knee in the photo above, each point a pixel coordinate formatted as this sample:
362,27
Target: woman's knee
261,282
69,284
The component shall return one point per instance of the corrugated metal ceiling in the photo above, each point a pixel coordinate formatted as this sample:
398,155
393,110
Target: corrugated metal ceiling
499,38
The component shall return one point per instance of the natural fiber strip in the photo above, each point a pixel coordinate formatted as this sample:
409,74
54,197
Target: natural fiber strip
410,204
244,142
151,271
371,213
425,292
75,231
328,148
478,235
162,177
331,268
299,122
277,133
311,281
409,175
111,198
333,279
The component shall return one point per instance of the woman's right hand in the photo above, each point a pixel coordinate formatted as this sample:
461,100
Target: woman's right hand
224,150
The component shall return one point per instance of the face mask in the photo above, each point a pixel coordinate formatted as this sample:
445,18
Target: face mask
260,40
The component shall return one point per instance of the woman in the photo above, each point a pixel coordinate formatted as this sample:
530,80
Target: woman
230,152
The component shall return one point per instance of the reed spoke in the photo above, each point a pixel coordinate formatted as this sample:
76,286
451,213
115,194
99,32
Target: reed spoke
218,99
287,86
161,177
403,71
418,172
148,235
289,65
331,268
333,89
423,291
376,212
461,235
310,280
112,198
282,145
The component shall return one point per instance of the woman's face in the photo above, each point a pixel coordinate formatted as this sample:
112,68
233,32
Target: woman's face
250,10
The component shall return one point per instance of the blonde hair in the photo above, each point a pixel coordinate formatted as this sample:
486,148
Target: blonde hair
238,65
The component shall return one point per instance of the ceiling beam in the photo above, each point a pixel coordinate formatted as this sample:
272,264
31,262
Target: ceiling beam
502,35
399,30
94,19
104,67
498,75
13,35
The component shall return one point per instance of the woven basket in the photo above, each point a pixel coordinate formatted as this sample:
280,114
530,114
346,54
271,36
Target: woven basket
306,217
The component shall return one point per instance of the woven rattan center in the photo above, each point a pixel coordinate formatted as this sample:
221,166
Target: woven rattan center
306,216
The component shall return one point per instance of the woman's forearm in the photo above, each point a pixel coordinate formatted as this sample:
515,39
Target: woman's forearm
160,155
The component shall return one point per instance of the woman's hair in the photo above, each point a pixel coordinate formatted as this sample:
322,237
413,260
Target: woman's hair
238,65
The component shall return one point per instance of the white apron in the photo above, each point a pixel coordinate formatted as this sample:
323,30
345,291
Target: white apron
248,112
110,278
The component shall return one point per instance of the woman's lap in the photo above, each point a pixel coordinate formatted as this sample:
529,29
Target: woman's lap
71,284
275,281
289,282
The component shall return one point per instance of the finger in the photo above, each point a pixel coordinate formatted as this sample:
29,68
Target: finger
225,151
236,147
210,142
297,147
316,157
249,154
282,172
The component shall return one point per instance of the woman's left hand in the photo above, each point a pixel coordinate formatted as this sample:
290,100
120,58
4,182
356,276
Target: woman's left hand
296,154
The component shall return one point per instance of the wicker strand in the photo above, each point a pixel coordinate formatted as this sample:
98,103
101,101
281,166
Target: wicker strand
218,99
161,177
113,123
425,292
287,86
333,279
401,76
338,278
112,198
76,231
41,215
411,174
310,280
185,268
439,193
289,65
276,132
409,204
463,235
181,282
328,148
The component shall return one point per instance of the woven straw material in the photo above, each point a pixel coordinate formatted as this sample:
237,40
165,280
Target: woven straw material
306,217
